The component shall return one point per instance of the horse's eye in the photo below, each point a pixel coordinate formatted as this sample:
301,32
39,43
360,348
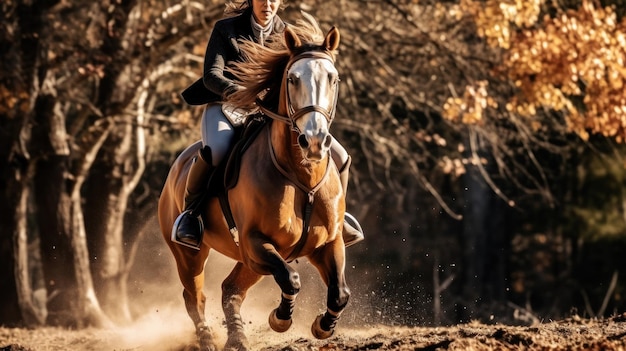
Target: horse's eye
293,79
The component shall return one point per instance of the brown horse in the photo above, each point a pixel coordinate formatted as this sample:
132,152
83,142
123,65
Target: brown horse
288,201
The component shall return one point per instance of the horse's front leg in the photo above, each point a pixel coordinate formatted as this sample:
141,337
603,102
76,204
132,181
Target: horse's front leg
234,289
330,262
266,260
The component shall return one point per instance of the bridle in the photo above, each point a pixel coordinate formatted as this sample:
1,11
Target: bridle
292,114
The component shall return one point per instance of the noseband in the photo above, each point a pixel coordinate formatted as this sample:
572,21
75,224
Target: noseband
292,114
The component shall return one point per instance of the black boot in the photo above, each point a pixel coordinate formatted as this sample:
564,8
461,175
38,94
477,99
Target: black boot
188,227
352,231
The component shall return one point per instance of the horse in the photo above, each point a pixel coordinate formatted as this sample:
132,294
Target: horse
287,202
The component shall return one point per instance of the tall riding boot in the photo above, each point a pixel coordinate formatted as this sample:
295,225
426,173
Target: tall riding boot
188,227
352,231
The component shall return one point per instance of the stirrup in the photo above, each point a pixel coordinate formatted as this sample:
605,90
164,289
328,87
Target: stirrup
352,231
174,236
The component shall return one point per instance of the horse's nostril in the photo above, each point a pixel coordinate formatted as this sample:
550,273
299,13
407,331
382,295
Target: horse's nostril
327,141
302,141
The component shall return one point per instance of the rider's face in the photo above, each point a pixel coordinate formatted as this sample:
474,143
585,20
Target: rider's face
264,10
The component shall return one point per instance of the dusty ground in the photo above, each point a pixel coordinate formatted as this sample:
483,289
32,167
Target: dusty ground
571,334
164,325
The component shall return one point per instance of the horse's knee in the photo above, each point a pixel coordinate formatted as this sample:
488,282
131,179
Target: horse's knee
228,287
338,298
231,302
294,278
288,281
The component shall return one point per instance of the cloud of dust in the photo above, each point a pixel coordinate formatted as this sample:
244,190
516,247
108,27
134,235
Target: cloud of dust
161,321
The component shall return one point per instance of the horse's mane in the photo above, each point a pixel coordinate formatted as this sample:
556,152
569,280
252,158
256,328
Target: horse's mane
261,71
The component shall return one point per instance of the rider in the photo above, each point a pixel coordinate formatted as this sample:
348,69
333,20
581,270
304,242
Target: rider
250,19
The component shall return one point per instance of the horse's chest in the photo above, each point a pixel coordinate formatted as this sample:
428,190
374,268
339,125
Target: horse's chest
276,207
295,211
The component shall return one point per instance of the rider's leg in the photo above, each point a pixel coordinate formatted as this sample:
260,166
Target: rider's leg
217,135
352,231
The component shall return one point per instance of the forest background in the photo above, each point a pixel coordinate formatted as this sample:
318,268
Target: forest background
486,136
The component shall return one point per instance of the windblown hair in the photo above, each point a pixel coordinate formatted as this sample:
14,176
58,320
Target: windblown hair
261,71
234,8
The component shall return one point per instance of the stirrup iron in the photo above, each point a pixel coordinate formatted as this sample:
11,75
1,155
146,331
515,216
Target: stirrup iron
174,237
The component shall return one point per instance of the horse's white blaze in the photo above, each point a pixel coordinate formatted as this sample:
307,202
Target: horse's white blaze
312,84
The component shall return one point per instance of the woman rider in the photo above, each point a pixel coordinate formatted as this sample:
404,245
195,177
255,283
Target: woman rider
250,19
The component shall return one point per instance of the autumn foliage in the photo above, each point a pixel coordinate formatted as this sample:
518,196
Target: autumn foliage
569,61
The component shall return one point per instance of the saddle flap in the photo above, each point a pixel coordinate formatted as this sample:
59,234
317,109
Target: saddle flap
251,130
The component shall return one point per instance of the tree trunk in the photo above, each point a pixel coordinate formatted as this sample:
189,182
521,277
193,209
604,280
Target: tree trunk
14,175
474,241
53,213
111,198
72,300
484,241
108,244
16,306
90,310
32,316
18,47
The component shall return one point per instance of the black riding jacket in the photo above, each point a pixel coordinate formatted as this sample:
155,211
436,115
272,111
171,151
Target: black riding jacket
223,47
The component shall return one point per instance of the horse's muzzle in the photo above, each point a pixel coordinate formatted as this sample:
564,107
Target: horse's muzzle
315,147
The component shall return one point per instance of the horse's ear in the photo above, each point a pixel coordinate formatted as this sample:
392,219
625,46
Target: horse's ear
331,42
291,39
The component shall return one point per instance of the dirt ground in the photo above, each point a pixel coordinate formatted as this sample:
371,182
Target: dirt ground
161,323
571,334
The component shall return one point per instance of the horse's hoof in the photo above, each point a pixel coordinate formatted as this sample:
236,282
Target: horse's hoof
318,332
237,341
237,347
277,324
205,338
198,347
208,348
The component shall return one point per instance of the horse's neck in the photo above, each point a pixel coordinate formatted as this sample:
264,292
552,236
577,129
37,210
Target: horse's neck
289,157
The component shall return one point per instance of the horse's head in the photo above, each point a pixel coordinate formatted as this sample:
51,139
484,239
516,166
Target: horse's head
311,87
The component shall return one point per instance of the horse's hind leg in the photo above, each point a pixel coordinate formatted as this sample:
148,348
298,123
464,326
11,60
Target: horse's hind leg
234,289
190,264
330,262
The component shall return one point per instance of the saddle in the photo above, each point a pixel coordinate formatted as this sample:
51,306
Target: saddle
226,175
248,132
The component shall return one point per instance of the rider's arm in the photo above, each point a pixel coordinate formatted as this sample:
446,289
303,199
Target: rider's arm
218,54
